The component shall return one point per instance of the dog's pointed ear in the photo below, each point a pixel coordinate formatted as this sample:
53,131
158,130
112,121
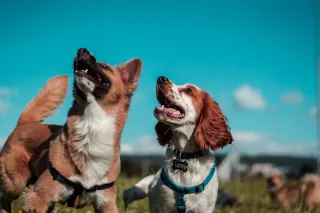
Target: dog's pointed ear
212,131
164,133
130,73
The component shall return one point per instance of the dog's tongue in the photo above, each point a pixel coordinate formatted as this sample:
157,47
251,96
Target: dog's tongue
170,110
173,112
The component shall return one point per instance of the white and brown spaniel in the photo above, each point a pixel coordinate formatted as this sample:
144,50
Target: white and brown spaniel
191,125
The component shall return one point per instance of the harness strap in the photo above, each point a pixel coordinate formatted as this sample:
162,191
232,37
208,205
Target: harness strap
181,191
77,187
181,206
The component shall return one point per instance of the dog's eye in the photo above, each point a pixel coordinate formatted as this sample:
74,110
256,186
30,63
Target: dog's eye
189,91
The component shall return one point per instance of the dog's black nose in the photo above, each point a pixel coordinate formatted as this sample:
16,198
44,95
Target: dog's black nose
82,51
162,79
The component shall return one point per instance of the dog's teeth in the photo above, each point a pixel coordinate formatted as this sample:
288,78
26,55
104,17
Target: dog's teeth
86,71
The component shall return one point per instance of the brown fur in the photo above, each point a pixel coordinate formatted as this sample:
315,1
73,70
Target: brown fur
311,190
212,131
286,193
48,99
16,153
307,191
164,133
35,144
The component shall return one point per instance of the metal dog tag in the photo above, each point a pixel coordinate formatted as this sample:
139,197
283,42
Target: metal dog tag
180,165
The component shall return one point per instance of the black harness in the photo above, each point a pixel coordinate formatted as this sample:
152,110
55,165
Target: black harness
180,163
185,155
77,187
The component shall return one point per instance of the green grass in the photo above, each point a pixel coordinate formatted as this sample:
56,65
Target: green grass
252,196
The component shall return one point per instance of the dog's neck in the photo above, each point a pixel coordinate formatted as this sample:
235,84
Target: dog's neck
182,139
197,168
92,140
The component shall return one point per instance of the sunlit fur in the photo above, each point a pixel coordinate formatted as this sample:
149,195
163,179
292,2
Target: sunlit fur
204,128
306,191
311,190
86,149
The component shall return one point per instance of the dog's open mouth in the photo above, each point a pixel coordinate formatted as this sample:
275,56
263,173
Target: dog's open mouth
92,73
168,108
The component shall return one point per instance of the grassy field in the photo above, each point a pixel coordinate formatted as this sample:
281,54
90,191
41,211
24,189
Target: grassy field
251,194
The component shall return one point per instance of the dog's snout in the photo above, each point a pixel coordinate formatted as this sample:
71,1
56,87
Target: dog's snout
162,79
83,58
82,51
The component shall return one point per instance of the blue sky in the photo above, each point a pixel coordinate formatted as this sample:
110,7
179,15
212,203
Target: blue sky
257,59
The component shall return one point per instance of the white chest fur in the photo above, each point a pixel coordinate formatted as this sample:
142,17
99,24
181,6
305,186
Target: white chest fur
198,170
98,129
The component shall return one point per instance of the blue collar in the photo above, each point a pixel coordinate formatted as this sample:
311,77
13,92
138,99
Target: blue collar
181,191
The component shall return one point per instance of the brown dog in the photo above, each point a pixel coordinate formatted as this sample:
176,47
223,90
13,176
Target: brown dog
76,163
306,191
311,190
286,193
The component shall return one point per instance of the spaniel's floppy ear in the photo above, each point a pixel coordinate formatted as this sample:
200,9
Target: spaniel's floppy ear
212,131
164,133
130,73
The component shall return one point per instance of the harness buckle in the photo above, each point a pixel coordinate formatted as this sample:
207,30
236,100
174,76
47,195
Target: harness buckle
181,206
185,190
199,188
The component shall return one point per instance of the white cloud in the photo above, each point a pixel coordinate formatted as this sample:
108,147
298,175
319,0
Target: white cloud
126,148
248,138
5,106
5,91
314,112
247,142
247,97
292,98
257,143
142,145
